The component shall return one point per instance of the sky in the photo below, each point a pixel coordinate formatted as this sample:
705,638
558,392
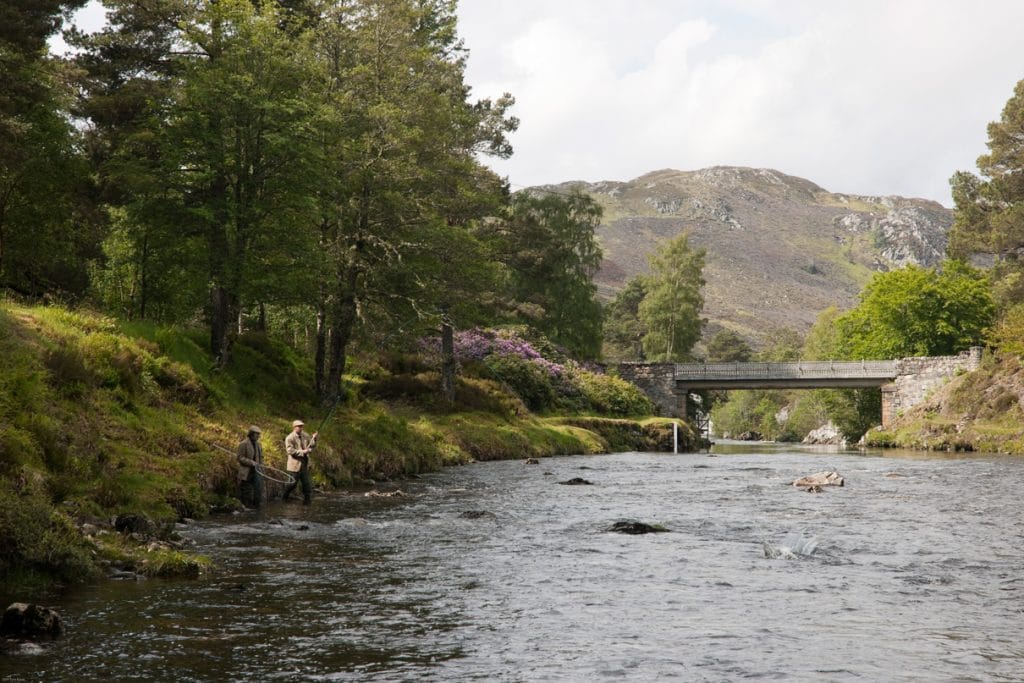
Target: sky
859,96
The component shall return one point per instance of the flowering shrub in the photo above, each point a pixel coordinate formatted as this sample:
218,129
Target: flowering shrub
481,345
543,384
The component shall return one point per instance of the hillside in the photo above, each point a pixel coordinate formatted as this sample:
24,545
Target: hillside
779,248
108,426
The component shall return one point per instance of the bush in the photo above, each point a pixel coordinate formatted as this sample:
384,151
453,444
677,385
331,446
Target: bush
527,379
1008,333
609,395
487,396
36,538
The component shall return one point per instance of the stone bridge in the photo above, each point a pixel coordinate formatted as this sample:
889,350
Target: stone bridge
904,382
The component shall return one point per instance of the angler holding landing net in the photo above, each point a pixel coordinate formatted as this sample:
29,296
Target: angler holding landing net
298,444
250,480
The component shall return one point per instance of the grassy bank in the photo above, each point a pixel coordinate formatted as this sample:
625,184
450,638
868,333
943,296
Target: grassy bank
109,433
977,411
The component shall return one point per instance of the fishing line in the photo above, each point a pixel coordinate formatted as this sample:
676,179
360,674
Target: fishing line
261,469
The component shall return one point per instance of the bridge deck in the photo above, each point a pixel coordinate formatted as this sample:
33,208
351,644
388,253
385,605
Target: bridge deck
801,374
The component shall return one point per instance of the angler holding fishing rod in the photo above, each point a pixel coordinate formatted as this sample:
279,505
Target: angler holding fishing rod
298,444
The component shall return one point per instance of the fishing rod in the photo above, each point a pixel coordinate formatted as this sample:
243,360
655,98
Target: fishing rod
262,469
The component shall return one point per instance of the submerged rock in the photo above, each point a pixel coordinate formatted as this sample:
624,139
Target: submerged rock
29,621
475,514
634,527
820,479
576,481
385,494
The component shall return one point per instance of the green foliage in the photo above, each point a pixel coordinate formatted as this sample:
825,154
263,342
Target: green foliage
728,347
1007,334
989,211
623,330
627,435
917,311
46,232
38,539
670,310
609,395
549,246
529,381
749,410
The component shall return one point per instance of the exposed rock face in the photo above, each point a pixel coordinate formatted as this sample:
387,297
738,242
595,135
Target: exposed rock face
780,249
826,434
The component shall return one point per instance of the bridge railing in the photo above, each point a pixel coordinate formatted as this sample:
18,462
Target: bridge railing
791,370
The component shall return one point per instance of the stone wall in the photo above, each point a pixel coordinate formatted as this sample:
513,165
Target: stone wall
920,376
657,380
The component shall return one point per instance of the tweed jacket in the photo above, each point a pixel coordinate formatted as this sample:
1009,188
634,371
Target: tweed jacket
248,455
295,443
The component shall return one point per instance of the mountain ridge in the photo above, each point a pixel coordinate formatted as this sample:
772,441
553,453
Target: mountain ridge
780,248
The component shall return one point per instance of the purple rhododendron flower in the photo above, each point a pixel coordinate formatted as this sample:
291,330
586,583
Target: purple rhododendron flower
478,345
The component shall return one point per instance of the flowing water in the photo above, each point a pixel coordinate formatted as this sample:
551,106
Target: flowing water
493,572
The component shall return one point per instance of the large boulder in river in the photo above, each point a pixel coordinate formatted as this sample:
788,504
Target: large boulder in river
28,621
820,479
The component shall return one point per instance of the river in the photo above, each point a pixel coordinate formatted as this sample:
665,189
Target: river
494,572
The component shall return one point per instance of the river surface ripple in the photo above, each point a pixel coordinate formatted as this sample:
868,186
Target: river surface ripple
494,572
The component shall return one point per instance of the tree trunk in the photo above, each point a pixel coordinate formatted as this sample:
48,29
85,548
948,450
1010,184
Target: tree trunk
321,346
222,318
341,332
261,321
447,362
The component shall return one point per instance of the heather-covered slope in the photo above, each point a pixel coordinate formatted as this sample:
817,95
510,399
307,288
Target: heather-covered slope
779,248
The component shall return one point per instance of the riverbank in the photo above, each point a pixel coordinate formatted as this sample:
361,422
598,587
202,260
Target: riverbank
976,411
110,432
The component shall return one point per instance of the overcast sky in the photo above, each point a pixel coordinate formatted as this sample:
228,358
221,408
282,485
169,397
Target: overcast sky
859,96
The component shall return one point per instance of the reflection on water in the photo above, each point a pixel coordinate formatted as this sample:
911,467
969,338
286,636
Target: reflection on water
494,572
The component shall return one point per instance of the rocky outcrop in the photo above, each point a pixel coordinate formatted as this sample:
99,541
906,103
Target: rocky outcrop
27,621
780,249
828,433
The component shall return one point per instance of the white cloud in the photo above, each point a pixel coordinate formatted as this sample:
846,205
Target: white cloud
880,97
859,96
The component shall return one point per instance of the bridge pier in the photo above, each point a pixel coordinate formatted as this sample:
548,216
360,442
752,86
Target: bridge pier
890,400
658,381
